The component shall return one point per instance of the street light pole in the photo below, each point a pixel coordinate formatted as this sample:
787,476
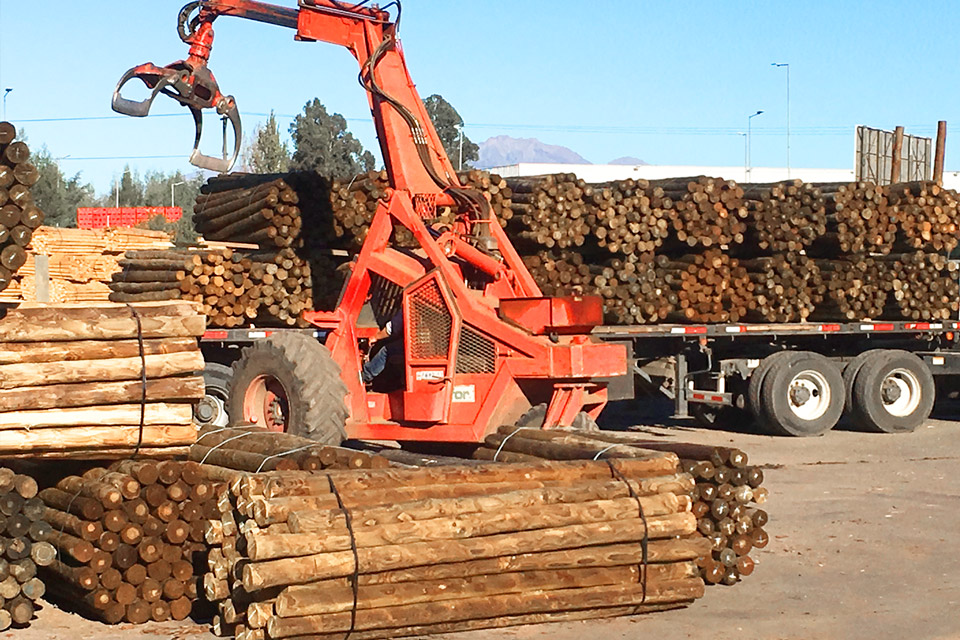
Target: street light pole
787,65
172,186
749,159
460,163
741,133
117,186
6,92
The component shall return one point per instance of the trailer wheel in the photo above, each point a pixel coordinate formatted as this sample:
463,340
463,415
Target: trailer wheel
850,371
212,408
290,382
755,385
535,415
802,396
894,392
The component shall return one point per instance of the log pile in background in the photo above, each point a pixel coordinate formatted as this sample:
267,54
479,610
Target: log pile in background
19,216
725,493
81,262
24,546
451,548
70,380
127,539
254,449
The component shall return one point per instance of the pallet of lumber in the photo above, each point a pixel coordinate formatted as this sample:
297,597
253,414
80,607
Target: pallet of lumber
725,494
128,538
449,548
99,381
19,215
24,546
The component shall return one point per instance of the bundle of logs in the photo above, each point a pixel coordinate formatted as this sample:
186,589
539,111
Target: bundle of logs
232,288
24,545
19,216
72,380
403,552
254,449
794,251
725,486
127,538
700,249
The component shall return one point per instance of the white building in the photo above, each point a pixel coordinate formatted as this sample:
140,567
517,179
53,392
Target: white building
608,172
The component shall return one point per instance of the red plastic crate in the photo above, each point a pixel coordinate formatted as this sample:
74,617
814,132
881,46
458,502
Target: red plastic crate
100,217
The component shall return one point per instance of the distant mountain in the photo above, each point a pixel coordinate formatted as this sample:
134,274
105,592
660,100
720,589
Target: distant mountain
629,160
504,150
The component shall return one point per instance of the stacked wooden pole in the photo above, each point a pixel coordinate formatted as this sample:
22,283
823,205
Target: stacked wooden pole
19,215
927,215
232,288
711,286
627,220
72,380
784,216
449,548
24,546
127,539
264,213
494,188
703,211
254,449
858,288
787,287
859,218
925,286
723,493
353,203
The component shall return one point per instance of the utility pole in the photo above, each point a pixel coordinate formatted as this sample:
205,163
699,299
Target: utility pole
460,131
172,187
6,92
749,141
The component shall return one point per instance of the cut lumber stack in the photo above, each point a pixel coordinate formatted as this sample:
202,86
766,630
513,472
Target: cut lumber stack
127,539
24,546
253,449
71,380
724,491
19,216
451,548
81,262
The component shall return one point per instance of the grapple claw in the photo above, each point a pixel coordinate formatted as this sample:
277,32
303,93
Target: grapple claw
190,83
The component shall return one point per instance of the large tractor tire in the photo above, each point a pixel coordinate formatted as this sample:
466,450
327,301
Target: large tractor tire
535,415
212,409
893,392
289,382
801,395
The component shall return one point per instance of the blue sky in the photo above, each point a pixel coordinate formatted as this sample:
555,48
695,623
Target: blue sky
668,82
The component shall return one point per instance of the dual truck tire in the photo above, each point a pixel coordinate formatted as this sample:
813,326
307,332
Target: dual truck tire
800,393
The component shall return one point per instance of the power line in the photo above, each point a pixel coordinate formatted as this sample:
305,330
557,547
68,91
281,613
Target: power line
813,130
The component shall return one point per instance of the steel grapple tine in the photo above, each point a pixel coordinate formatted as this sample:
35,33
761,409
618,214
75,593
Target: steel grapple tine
220,165
155,78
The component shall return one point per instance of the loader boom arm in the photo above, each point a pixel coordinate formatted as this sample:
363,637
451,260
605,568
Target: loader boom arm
411,148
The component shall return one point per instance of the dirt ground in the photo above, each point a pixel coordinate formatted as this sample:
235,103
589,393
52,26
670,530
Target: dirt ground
863,544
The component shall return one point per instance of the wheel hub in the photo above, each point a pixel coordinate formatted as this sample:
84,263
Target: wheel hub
800,395
890,391
265,403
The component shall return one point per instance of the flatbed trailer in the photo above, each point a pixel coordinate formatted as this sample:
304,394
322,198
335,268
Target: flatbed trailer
794,379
